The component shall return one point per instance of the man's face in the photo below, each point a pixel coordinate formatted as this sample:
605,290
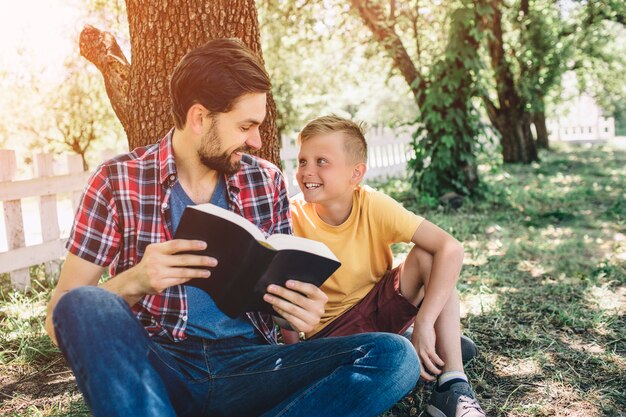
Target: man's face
230,134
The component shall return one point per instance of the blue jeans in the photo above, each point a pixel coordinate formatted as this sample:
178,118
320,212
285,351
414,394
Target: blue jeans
121,371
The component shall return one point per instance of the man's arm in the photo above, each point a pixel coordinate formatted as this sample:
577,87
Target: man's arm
161,267
300,303
76,272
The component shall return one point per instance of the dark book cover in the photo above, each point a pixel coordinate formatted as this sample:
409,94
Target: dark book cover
246,266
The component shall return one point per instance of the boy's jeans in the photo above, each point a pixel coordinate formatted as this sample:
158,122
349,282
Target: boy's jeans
123,372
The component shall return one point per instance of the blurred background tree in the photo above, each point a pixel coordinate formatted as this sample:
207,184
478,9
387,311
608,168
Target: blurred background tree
80,112
453,72
321,61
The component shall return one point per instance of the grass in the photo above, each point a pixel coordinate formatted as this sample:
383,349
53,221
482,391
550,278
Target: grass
543,291
543,285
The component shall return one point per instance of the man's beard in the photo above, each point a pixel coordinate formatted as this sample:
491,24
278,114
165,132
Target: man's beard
209,156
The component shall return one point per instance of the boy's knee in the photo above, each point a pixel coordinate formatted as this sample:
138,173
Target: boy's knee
415,273
420,261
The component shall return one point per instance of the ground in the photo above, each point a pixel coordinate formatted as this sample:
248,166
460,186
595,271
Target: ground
543,290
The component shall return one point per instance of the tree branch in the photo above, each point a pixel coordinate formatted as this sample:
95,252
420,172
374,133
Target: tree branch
414,24
374,18
492,109
101,49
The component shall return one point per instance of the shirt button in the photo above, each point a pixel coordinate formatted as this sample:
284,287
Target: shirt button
164,206
184,318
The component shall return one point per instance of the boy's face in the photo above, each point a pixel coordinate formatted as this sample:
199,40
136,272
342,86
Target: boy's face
325,172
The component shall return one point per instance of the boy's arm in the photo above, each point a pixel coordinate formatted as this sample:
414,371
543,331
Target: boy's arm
447,255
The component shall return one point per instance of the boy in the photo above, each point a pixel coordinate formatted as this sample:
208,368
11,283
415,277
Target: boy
366,295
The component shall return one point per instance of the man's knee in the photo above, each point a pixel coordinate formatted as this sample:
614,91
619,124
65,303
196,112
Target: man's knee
397,355
88,304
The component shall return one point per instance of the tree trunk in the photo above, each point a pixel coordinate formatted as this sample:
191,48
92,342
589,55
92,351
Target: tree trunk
509,116
160,34
539,120
517,140
460,173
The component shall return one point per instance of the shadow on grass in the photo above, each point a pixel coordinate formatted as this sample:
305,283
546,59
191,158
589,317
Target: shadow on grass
547,345
546,349
545,247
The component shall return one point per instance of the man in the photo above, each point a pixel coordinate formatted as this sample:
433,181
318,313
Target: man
142,343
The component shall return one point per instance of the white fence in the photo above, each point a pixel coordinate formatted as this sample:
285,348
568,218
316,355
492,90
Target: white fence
37,212
601,129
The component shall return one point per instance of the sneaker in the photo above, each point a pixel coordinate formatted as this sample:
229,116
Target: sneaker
457,401
469,350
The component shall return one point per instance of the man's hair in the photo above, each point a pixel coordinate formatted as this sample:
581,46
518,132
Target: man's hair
215,75
353,134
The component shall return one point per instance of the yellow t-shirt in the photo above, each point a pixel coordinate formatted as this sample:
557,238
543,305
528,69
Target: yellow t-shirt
361,243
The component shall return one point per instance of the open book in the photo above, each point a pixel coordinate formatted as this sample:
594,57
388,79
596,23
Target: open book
247,261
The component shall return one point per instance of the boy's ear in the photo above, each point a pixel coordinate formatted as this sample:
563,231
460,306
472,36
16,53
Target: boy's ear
358,173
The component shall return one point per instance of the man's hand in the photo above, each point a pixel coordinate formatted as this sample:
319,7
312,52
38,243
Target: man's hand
424,339
162,266
300,303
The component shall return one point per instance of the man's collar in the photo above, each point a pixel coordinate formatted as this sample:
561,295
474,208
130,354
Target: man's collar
234,181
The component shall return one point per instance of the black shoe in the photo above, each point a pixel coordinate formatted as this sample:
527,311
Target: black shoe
469,350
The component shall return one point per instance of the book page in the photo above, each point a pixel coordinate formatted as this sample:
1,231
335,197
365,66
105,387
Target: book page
280,241
256,233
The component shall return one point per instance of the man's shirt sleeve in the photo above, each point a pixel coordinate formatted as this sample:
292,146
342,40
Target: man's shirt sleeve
95,235
282,215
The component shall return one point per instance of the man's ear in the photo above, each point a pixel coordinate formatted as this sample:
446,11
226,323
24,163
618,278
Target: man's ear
197,118
358,173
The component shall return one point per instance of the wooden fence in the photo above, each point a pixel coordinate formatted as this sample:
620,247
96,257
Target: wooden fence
388,156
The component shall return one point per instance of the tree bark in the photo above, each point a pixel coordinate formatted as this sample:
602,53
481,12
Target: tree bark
161,32
539,120
509,116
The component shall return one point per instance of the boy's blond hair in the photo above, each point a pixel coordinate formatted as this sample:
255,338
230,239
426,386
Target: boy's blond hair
354,137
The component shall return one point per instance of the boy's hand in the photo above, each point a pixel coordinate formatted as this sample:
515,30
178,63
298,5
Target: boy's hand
424,339
300,303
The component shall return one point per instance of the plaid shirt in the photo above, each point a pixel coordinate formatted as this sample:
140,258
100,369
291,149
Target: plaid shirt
125,208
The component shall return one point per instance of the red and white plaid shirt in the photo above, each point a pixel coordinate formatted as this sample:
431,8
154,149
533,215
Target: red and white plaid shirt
125,208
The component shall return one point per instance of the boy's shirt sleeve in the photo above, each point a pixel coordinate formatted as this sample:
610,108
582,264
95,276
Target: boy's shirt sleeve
395,223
